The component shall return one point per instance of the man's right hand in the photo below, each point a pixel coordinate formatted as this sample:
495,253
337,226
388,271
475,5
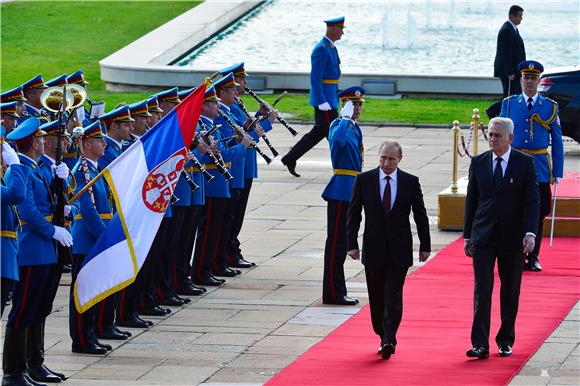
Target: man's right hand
354,254
247,141
9,156
467,248
324,106
62,236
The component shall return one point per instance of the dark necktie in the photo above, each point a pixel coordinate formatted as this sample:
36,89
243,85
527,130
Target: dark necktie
530,103
387,197
497,173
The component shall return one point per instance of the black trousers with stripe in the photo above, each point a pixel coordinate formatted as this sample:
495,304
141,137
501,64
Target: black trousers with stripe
81,326
545,209
322,119
184,242
7,288
150,297
334,286
208,245
233,248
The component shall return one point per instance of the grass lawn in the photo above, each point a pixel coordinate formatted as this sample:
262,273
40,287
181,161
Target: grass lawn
65,36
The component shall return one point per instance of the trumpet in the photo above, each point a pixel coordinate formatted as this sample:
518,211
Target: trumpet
264,137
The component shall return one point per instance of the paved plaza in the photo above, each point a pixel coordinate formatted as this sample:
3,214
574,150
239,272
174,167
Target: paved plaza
256,324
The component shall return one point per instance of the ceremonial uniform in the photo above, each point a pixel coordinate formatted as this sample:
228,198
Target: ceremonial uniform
14,95
346,154
324,77
13,192
33,86
9,115
536,129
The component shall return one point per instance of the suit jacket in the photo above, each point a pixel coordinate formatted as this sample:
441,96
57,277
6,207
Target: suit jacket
390,236
509,53
513,209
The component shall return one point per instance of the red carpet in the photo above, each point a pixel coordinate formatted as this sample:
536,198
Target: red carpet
434,333
569,187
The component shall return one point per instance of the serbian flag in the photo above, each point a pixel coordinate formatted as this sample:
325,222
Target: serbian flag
142,180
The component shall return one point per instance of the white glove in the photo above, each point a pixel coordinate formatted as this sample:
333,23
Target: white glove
9,155
557,180
62,236
61,170
324,106
67,209
347,110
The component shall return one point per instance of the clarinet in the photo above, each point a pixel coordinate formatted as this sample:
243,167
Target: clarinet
189,181
278,117
217,160
264,137
241,131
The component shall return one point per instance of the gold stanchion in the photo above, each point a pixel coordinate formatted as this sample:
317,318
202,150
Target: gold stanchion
456,131
476,124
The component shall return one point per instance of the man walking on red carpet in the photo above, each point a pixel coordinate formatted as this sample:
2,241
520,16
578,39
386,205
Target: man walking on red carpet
387,194
501,220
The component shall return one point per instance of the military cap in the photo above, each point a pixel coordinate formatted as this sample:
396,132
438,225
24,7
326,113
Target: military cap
15,94
120,114
530,67
77,77
354,93
227,81
93,130
36,82
237,69
139,108
52,128
9,109
336,22
26,131
210,95
59,81
153,105
184,93
168,96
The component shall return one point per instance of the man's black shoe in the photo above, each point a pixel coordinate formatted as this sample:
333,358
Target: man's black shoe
90,349
126,333
241,263
478,352
112,335
505,350
106,346
292,169
31,381
60,375
171,302
40,373
153,311
191,290
133,322
218,279
534,264
19,379
149,322
343,301
210,281
184,300
387,350
226,273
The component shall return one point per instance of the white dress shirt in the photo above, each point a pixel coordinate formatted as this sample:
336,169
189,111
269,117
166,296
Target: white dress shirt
383,183
504,161
534,98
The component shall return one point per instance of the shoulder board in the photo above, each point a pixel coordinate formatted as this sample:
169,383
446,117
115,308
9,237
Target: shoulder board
510,97
551,100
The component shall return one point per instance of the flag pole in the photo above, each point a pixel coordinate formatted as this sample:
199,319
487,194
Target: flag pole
86,187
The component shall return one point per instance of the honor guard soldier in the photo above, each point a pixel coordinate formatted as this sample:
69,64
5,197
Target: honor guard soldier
32,90
208,245
14,95
140,113
154,110
37,258
324,78
9,114
58,81
536,129
95,213
168,99
240,197
346,154
13,193
118,124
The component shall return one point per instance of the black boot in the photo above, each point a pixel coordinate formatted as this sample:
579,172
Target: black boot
13,358
35,356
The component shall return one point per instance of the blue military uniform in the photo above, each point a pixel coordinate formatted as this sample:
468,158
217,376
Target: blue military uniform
536,130
346,154
324,77
114,148
30,111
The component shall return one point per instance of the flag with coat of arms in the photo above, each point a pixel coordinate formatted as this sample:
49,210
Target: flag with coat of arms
142,180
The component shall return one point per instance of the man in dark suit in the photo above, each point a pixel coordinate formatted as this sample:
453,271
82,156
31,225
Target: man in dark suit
510,52
387,194
501,215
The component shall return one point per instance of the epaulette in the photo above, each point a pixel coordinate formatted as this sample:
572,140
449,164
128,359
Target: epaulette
511,96
551,100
